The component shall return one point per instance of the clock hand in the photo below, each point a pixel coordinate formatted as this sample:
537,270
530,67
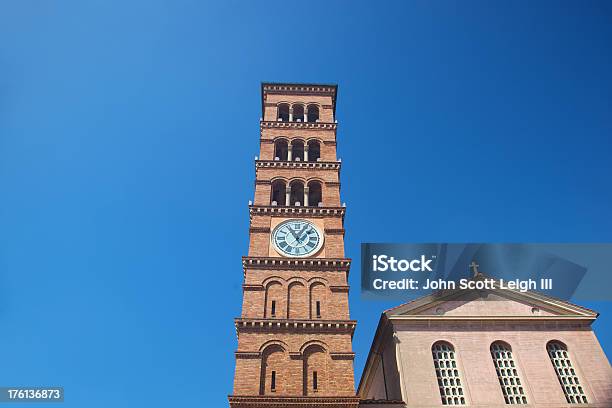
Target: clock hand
293,233
302,231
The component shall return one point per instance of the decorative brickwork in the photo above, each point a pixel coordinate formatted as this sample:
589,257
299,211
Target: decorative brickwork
295,332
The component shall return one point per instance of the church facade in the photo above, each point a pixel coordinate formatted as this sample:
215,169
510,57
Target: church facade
295,332
487,349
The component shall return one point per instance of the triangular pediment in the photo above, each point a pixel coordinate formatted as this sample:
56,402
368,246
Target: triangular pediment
464,303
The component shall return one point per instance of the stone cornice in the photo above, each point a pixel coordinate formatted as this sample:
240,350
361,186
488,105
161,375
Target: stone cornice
259,229
266,401
334,231
252,286
488,319
269,124
294,355
309,89
322,165
260,287
319,264
295,325
283,211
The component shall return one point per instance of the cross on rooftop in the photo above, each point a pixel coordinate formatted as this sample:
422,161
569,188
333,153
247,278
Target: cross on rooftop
474,266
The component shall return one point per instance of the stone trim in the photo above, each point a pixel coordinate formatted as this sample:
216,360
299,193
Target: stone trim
334,231
263,182
332,183
339,288
259,229
294,325
342,356
252,286
247,354
333,264
297,125
281,210
267,401
297,164
530,319
313,89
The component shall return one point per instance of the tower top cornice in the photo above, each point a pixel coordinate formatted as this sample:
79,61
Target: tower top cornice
290,88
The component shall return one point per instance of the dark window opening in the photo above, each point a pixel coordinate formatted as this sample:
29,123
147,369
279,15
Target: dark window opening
315,195
283,112
273,308
315,384
318,307
273,381
297,150
313,113
314,151
297,194
298,113
278,193
281,149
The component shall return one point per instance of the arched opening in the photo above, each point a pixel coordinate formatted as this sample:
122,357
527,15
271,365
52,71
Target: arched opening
279,190
566,374
281,148
317,300
283,112
298,113
296,198
315,194
315,370
314,151
297,150
274,300
313,113
297,299
507,373
271,376
447,374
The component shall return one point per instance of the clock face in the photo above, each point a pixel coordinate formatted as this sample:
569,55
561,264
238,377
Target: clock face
297,238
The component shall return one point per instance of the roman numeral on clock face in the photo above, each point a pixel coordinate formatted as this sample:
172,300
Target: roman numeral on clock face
296,238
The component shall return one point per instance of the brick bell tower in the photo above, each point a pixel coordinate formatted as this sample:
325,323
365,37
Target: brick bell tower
295,333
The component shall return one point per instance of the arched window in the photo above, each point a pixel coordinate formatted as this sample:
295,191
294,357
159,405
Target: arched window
275,299
314,151
315,196
507,373
447,372
313,113
296,197
297,301
298,113
273,361
280,150
317,300
278,196
315,370
297,150
283,112
566,374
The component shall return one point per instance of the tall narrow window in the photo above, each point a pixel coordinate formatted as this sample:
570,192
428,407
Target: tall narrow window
273,308
449,381
507,374
572,388
273,381
318,307
315,383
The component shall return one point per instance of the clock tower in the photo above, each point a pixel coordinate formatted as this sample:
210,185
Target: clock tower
295,333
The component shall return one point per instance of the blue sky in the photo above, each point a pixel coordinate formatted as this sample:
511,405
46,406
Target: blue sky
127,137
